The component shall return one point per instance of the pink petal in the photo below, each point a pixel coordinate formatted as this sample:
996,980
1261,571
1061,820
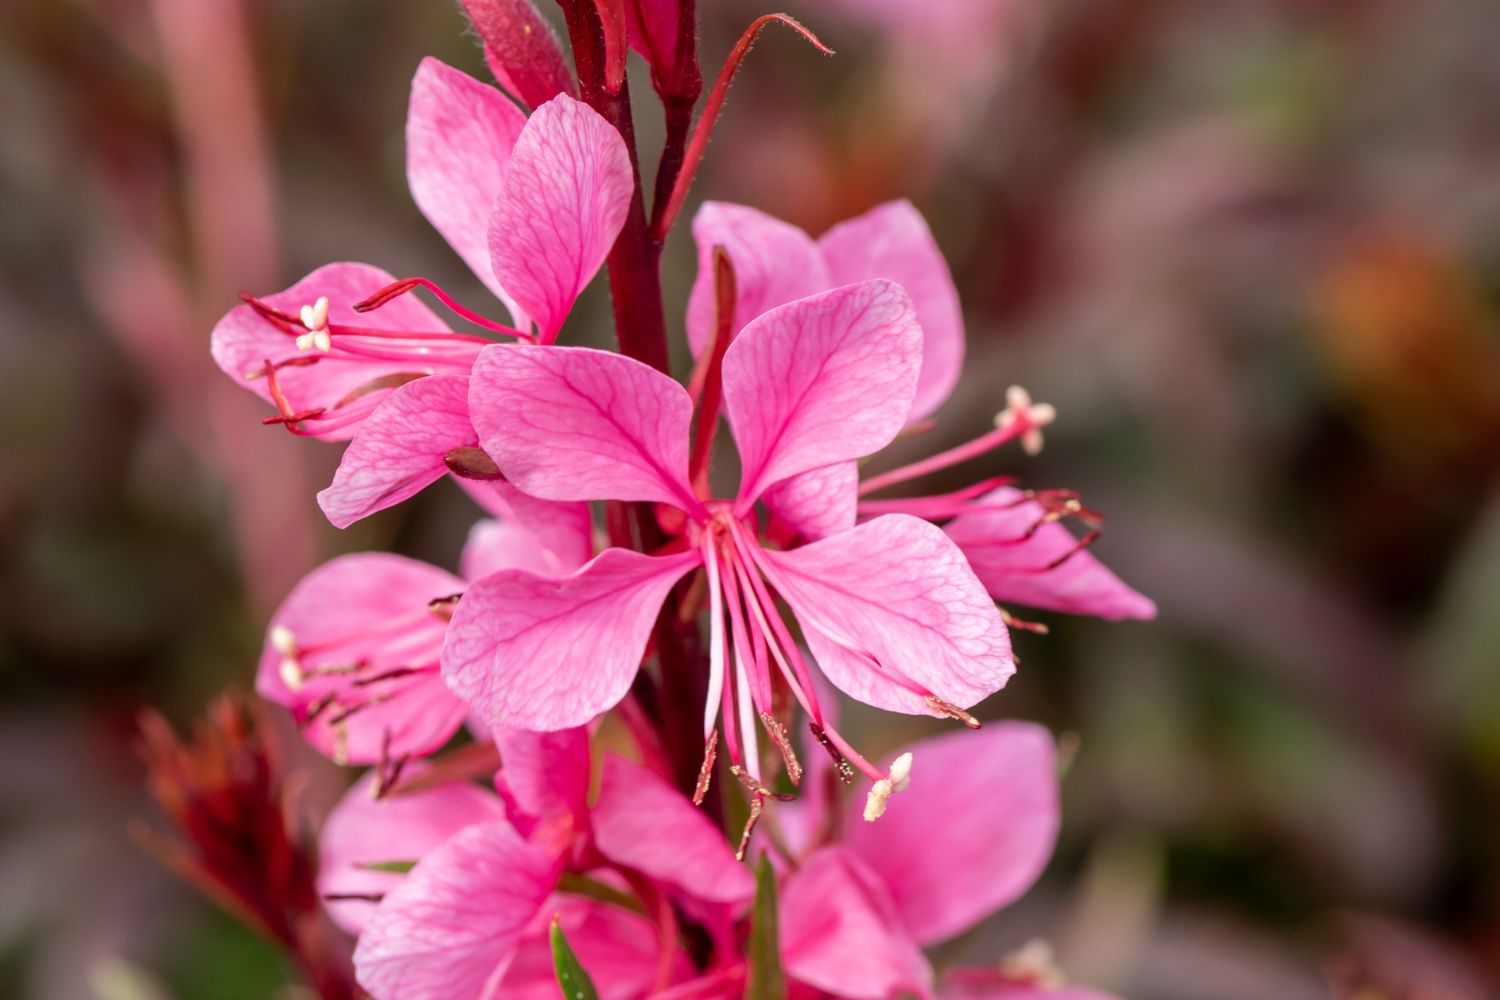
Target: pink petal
562,204
821,380
984,804
774,263
399,449
535,653
244,340
545,777
563,531
573,423
460,134
363,830
350,602
1014,567
839,931
892,612
818,502
521,48
453,923
616,947
642,822
893,241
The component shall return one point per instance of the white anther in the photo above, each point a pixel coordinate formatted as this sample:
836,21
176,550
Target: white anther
1033,963
901,772
880,794
283,640
1018,405
291,673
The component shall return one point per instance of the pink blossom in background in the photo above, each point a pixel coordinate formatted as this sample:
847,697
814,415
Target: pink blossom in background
353,650
390,375
891,611
1011,538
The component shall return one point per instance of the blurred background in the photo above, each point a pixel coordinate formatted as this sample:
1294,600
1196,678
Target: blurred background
1249,248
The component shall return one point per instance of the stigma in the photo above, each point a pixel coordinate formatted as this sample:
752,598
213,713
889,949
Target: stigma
897,780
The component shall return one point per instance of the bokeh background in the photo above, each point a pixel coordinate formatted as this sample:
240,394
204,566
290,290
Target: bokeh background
1249,248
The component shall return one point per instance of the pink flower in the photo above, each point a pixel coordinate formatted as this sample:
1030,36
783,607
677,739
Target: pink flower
891,611
491,871
859,900
353,650
532,205
1012,537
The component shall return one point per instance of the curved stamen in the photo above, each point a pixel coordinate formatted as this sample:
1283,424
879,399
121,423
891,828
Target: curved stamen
400,287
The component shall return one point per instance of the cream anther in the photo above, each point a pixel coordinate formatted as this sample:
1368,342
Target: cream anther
315,318
284,641
898,780
1018,406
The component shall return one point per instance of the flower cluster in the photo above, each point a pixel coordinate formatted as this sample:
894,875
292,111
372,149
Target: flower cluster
697,630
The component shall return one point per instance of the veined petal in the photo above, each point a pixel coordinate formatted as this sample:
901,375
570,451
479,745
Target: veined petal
244,340
562,204
1014,567
892,611
840,932
545,776
362,831
564,530
818,502
644,823
360,617
893,241
398,451
459,137
774,263
573,423
452,925
985,804
544,654
824,379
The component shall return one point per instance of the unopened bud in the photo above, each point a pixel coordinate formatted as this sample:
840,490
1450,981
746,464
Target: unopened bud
521,48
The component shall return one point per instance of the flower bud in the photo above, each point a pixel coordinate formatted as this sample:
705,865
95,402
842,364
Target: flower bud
521,48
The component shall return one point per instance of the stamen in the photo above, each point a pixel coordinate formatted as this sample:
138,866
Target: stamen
1012,621
756,787
841,765
706,769
756,805
471,462
779,737
443,607
952,711
285,642
396,289
716,650
898,781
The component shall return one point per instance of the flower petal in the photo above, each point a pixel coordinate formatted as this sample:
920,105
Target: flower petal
892,612
984,804
342,612
644,823
363,830
459,137
824,379
453,923
774,263
616,947
244,340
399,449
545,776
818,502
1015,569
562,204
536,653
893,241
573,423
839,931
563,531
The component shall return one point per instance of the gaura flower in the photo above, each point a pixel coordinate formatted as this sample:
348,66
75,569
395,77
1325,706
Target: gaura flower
532,205
1013,538
490,871
890,610
859,901
353,650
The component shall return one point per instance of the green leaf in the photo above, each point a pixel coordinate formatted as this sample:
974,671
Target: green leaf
767,982
571,979
394,867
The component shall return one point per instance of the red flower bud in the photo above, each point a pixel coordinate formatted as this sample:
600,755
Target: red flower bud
522,49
